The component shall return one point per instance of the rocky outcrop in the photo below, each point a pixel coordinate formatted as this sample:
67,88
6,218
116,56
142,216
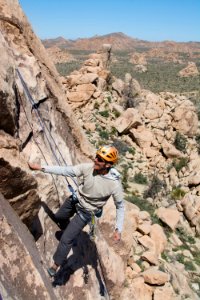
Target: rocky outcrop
59,56
190,70
91,80
138,59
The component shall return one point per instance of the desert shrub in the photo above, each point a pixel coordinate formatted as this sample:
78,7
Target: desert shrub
67,68
140,264
140,178
124,175
178,164
113,131
109,99
126,283
131,150
180,258
165,255
180,142
181,247
143,204
177,193
122,147
189,266
104,113
155,187
104,134
96,105
196,256
116,113
80,53
184,236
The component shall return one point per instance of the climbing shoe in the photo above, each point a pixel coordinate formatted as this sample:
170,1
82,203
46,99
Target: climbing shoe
51,271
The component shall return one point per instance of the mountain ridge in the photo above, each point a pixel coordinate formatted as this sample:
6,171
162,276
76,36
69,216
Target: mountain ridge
119,41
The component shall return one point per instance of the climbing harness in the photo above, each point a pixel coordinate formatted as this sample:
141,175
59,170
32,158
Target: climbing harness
92,224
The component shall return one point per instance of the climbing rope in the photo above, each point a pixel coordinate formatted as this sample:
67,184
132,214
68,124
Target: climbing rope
45,129
106,294
31,127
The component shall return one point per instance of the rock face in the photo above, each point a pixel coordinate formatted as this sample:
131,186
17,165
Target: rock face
8,106
19,256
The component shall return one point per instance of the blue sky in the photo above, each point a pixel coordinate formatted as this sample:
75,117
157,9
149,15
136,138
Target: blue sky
152,20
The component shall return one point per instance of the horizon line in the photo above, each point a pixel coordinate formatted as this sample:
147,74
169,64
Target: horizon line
135,38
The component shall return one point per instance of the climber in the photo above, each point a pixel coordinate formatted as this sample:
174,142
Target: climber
100,181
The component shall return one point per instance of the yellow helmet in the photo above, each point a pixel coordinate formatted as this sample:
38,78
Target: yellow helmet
108,153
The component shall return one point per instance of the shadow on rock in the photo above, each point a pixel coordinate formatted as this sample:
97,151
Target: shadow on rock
36,227
84,254
48,211
63,275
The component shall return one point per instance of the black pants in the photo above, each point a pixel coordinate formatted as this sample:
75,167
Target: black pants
71,228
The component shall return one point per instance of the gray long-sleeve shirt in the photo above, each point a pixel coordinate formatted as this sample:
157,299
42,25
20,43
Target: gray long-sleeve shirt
95,189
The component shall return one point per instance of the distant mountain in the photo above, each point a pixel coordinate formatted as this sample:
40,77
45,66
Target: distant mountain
58,42
119,41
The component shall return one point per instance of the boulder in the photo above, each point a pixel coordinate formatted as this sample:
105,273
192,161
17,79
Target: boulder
169,216
154,276
170,150
142,136
185,119
158,236
127,120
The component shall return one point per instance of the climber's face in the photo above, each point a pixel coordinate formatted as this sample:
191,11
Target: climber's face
100,164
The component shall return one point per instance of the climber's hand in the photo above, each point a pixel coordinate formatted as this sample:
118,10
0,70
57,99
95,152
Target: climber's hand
117,236
34,166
